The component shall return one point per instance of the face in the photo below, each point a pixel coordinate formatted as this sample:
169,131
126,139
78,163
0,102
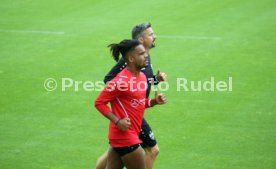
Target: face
140,57
148,38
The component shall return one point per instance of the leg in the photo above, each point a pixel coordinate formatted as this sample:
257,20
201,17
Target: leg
135,159
149,144
102,160
151,154
113,160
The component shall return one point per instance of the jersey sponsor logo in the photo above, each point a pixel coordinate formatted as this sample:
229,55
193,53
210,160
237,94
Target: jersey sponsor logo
135,102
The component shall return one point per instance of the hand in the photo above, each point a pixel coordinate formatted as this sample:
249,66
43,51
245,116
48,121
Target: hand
161,76
159,98
124,124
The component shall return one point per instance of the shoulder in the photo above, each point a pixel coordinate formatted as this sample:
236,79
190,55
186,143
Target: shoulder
143,75
121,76
119,82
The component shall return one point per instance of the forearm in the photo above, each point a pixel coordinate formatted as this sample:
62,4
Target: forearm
122,124
150,103
153,102
112,117
159,99
105,111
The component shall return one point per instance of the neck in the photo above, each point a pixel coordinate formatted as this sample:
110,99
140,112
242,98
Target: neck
133,70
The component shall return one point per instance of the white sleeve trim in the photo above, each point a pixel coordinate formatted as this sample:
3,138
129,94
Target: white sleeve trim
149,102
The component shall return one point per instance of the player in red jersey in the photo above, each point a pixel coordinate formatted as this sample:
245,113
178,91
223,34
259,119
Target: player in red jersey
127,95
145,35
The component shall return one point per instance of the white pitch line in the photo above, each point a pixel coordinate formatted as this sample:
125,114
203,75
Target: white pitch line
189,37
32,31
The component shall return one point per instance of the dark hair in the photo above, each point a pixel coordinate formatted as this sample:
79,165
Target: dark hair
123,48
139,29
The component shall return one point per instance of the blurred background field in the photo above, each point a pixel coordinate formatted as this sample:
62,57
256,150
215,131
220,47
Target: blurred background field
196,40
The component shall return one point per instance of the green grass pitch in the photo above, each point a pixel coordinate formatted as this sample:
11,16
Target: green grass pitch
196,40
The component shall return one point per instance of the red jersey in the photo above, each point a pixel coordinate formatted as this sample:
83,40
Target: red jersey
127,95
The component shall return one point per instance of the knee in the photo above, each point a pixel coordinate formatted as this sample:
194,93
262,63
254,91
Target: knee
101,163
154,151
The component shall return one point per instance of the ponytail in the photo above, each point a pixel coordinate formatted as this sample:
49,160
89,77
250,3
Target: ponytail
114,49
123,48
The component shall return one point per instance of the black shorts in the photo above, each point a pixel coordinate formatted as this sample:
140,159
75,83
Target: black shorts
146,135
125,150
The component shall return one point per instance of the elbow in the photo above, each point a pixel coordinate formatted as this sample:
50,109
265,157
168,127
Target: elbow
96,104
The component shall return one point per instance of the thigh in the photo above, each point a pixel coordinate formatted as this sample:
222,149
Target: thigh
135,159
113,160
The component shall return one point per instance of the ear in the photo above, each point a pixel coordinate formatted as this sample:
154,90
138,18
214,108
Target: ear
141,40
130,58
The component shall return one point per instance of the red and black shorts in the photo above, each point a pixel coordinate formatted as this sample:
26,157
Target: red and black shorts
125,150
